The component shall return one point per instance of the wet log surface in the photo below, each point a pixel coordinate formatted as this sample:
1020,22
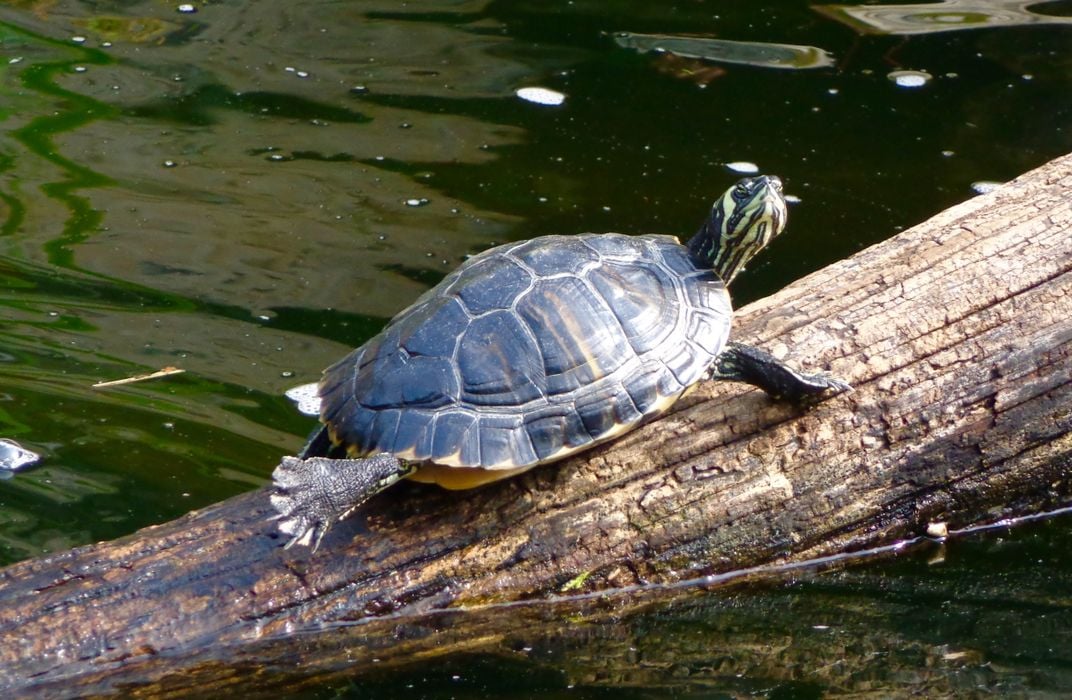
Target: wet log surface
956,334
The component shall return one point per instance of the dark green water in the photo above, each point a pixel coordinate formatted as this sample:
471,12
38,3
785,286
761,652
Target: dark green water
225,191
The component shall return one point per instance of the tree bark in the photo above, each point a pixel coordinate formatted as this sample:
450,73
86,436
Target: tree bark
956,334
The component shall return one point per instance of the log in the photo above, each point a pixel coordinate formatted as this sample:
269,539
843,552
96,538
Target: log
956,334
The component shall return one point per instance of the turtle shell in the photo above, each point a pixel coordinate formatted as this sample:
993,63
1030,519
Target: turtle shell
531,351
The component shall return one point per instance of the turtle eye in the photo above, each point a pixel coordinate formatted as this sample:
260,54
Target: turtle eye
740,191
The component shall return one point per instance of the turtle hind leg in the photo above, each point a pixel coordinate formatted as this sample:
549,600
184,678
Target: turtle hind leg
743,363
313,494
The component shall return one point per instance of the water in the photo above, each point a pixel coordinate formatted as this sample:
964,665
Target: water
934,623
231,191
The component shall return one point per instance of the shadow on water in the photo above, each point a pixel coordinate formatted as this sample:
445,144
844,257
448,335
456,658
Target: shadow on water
249,190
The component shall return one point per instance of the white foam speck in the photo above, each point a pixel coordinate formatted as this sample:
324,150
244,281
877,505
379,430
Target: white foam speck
541,96
910,78
743,167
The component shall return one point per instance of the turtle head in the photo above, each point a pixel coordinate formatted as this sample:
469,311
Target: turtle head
746,218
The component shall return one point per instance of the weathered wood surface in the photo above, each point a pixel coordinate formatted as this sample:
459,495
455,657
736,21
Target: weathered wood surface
957,335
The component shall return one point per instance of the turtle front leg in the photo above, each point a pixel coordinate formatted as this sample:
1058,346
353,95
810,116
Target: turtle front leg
743,363
313,494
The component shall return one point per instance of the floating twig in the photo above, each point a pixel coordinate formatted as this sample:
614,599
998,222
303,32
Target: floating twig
166,371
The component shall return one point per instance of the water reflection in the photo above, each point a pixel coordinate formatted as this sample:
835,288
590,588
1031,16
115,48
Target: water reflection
943,16
14,456
751,53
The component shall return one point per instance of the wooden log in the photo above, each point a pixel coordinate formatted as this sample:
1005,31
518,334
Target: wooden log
956,334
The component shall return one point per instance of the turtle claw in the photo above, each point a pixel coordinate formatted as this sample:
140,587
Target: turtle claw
313,494
821,383
301,529
303,513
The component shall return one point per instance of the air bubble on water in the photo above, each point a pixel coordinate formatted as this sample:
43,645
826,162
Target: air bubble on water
910,78
80,69
78,39
186,8
170,164
416,202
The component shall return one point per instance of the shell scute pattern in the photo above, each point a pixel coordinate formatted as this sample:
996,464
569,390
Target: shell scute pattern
618,246
555,428
644,306
389,375
432,329
456,436
505,441
574,344
644,389
493,283
531,351
498,360
565,255
415,428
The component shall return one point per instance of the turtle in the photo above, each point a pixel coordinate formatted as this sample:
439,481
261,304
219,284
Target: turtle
532,351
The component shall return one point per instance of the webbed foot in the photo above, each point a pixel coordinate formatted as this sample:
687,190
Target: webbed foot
313,494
